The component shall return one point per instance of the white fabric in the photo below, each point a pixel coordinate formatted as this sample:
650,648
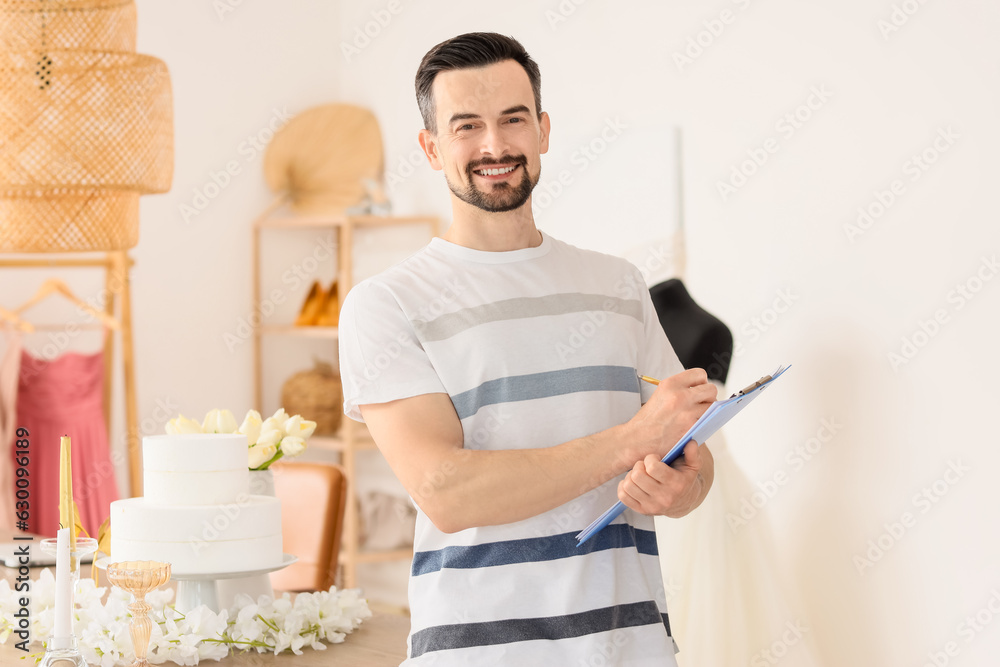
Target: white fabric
725,596
535,347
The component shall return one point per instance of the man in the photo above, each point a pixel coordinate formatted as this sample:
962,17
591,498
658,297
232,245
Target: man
497,370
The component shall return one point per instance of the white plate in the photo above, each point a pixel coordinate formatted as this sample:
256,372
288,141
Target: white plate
286,560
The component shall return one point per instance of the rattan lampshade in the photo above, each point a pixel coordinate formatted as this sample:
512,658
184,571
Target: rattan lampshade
86,126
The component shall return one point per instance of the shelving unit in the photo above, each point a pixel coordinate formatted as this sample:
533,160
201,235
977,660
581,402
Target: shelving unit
352,437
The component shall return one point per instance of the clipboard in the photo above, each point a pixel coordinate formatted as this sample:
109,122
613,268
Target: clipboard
714,418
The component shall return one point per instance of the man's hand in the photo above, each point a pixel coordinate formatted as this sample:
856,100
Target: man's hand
653,487
673,408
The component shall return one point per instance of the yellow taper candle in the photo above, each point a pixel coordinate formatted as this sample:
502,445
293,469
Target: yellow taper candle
66,518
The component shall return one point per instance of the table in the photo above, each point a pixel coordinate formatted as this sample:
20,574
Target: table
379,642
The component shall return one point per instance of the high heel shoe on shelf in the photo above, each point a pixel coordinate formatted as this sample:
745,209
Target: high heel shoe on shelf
329,313
311,307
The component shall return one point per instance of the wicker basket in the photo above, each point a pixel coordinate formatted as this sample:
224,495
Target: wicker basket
317,396
85,126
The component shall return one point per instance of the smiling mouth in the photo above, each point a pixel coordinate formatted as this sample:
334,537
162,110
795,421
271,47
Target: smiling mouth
495,172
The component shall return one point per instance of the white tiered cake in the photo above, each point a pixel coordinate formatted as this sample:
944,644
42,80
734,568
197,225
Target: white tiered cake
197,514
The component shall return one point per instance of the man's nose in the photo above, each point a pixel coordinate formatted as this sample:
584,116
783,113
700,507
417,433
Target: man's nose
494,142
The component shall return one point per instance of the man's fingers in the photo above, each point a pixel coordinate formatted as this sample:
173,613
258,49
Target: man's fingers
636,483
689,378
705,393
691,461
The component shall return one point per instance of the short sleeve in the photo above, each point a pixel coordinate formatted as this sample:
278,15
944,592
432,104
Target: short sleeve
656,355
381,359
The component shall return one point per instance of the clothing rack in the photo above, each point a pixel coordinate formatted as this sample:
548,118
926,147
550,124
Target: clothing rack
116,265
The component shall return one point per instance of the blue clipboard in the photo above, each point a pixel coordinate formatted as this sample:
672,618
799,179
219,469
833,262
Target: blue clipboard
711,421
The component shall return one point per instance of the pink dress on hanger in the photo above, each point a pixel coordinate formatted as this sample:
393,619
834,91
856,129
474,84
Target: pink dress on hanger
65,396
8,426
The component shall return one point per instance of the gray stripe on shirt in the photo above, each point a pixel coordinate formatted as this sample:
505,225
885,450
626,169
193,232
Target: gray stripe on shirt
542,385
450,324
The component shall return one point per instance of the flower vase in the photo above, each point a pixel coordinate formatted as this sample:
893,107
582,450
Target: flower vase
261,484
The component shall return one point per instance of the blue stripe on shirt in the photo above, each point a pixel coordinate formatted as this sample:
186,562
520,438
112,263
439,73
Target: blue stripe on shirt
508,631
533,550
542,385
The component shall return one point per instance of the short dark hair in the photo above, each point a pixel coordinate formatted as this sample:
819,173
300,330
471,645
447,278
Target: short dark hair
473,49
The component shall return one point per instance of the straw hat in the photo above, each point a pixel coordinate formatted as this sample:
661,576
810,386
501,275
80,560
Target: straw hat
323,157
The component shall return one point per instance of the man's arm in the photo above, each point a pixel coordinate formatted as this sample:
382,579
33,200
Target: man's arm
421,438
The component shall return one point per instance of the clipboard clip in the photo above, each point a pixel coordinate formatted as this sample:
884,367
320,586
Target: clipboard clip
746,390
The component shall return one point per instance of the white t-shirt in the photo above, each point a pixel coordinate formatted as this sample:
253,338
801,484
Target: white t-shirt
535,347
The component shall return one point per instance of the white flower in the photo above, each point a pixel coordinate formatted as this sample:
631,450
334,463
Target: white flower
299,427
292,425
308,428
219,421
181,425
292,446
280,416
273,424
269,437
271,625
259,455
251,426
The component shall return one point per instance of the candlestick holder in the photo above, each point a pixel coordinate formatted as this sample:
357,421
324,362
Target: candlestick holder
139,578
62,650
77,552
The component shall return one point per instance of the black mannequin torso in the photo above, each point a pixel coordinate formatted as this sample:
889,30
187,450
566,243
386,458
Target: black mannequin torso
699,338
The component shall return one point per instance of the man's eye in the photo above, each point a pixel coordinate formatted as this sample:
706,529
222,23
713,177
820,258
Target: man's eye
467,126
516,120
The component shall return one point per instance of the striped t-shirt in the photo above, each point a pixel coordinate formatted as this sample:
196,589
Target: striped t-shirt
535,347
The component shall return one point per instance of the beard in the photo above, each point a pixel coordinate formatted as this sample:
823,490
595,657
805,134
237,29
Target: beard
497,197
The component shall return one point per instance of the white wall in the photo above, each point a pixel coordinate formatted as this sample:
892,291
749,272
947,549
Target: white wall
783,231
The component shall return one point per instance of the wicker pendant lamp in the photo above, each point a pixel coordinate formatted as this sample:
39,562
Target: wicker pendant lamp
86,126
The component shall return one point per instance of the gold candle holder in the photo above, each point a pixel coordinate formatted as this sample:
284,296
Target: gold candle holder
139,578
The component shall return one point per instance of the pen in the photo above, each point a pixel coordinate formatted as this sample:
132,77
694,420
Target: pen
648,379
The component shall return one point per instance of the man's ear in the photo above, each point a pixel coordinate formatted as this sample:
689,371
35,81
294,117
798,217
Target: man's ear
543,133
430,146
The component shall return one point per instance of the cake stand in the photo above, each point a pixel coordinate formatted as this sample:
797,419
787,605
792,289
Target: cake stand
203,588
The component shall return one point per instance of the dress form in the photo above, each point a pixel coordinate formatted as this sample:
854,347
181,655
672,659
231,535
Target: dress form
699,338
720,580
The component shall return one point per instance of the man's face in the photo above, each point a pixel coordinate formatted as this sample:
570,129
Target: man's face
488,139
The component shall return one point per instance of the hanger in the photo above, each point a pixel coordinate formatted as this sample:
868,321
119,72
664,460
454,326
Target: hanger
14,319
56,286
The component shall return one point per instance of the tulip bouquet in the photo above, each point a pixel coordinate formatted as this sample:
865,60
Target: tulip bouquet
279,436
